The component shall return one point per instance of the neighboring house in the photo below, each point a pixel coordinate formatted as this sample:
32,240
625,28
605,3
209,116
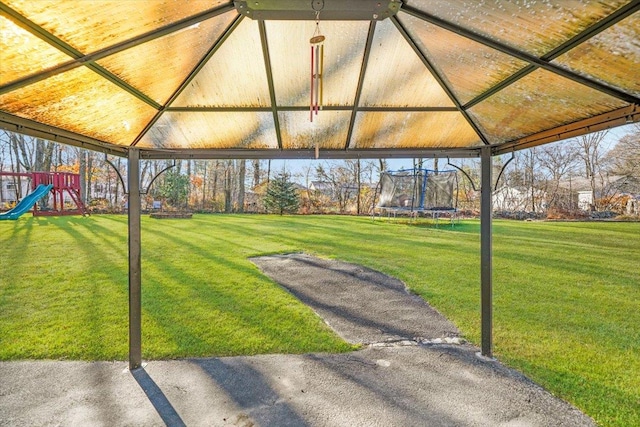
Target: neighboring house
624,185
99,191
9,189
514,199
627,189
614,187
299,187
328,189
322,187
585,200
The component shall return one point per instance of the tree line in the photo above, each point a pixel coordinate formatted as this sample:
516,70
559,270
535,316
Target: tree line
540,179
551,176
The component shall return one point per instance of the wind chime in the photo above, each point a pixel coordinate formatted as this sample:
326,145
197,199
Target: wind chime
317,69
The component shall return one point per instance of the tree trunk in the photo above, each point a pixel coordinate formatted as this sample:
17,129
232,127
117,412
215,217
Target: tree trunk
204,181
82,170
241,176
15,165
532,169
39,158
591,146
188,186
227,189
214,189
359,188
48,157
256,173
268,171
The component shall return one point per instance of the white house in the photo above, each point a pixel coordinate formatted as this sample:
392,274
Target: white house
585,200
321,187
514,199
9,189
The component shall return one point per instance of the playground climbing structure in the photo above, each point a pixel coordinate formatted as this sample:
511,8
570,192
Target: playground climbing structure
60,184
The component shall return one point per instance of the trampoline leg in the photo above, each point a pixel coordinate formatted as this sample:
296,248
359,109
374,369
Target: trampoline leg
486,293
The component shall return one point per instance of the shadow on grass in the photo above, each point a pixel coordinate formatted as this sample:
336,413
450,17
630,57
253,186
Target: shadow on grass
95,295
247,307
609,405
20,237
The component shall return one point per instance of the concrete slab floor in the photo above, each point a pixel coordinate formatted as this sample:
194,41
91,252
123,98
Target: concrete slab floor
433,385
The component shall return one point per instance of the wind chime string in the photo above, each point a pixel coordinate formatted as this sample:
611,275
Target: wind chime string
317,69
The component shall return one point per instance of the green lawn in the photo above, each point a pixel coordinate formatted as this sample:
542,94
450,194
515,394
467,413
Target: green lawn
566,295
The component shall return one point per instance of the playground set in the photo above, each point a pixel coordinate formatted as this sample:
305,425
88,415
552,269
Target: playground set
43,183
419,191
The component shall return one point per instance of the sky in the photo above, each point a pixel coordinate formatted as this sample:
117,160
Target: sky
296,167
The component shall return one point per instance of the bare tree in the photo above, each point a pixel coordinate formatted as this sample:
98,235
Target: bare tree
624,158
557,161
522,185
340,176
355,183
591,151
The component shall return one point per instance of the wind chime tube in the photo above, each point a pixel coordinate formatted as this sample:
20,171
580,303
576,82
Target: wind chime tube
321,72
317,67
317,88
311,103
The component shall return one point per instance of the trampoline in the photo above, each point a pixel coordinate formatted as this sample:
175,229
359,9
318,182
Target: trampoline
415,192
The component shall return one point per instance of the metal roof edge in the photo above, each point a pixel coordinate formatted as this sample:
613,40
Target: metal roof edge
611,119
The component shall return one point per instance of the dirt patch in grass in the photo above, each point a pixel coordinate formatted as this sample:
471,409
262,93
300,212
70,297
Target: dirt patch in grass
362,305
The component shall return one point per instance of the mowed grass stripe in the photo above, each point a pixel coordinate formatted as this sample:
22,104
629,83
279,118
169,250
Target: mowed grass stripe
566,295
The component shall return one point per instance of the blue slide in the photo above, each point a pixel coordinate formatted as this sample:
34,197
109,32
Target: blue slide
27,203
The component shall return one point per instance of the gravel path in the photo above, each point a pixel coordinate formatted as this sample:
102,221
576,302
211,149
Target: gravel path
362,305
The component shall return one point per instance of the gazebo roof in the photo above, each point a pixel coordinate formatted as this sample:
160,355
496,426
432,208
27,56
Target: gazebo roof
214,78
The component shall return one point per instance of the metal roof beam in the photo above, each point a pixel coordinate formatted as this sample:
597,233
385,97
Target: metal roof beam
602,25
203,154
533,60
427,63
225,35
38,130
363,69
498,87
301,108
71,51
326,10
92,57
619,117
272,91
593,30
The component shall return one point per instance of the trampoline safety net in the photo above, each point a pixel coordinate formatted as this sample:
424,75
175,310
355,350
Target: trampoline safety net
420,189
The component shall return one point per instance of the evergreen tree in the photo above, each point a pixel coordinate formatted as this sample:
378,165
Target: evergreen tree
174,188
281,195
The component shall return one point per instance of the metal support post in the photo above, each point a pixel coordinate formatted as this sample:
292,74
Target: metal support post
135,246
486,293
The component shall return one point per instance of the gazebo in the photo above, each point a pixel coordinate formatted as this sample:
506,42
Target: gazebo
200,79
